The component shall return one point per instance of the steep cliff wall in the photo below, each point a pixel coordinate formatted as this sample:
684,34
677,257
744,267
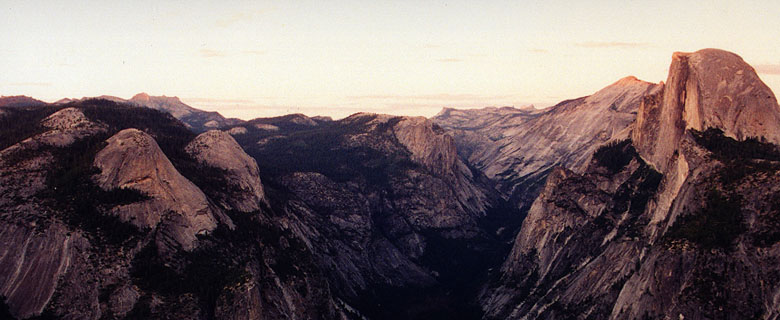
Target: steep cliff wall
670,224
132,160
517,148
709,88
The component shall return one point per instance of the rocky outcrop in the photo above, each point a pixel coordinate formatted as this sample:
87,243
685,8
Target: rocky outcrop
431,147
518,147
132,237
218,149
60,129
709,88
40,252
132,160
428,144
674,228
384,203
68,125
171,105
237,131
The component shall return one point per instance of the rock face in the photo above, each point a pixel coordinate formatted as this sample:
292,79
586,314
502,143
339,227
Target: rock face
132,160
709,88
674,228
67,126
171,105
39,252
60,129
31,264
387,207
118,240
436,151
108,210
518,147
219,150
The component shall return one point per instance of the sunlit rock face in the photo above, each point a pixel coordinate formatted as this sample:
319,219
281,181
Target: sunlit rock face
110,210
219,150
673,223
518,147
133,160
709,88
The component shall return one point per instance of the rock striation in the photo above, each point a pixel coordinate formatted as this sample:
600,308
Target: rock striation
389,210
133,160
709,88
669,224
104,225
518,147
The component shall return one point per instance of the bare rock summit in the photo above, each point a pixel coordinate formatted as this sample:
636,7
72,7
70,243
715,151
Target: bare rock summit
132,159
709,88
219,150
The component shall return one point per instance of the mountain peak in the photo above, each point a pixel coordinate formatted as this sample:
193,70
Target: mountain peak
709,53
709,88
626,81
143,96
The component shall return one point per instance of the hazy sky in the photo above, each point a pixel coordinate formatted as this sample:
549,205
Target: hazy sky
261,58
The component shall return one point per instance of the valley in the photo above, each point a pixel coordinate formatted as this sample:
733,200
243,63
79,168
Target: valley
642,200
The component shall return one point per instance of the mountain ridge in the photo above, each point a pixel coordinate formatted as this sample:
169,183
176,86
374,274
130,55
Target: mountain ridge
641,200
662,230
519,147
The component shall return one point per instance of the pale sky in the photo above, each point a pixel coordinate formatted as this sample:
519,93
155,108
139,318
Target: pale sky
252,59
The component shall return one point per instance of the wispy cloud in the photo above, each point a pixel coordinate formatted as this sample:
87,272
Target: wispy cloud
29,84
211,53
255,52
237,17
773,69
611,44
450,60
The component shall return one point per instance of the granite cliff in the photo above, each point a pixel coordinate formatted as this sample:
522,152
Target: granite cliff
518,147
639,201
675,222
392,214
105,214
219,150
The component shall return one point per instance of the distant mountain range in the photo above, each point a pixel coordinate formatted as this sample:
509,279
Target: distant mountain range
642,200
196,119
